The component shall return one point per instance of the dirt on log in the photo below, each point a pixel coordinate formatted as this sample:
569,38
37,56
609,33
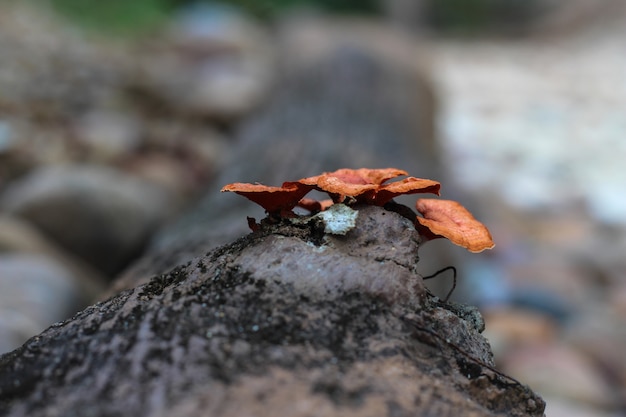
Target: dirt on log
287,321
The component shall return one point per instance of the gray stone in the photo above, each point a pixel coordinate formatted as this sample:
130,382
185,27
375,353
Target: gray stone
216,63
20,237
109,134
34,293
97,213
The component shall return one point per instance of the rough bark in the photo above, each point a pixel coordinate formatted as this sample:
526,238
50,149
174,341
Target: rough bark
286,321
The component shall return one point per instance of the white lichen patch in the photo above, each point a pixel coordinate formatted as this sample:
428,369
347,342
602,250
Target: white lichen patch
338,219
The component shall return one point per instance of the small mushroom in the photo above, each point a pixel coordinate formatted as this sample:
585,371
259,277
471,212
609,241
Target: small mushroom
366,185
272,199
358,176
449,219
315,206
410,185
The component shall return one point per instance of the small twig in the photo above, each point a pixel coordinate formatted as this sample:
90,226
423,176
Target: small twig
419,327
453,282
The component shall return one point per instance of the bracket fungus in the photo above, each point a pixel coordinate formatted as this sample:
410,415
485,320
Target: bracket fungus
367,185
441,218
272,199
449,219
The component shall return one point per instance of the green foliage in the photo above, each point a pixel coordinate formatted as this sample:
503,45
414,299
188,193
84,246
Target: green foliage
270,8
114,16
135,16
479,15
458,14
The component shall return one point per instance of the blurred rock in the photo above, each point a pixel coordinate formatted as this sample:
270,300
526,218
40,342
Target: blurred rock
35,292
557,407
109,134
602,255
507,17
501,17
557,370
98,213
14,158
48,70
618,300
205,28
508,327
164,171
216,63
226,89
15,329
600,333
203,153
181,156
7,138
20,237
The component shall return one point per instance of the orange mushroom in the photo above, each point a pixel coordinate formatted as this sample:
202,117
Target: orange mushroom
314,206
410,185
358,176
366,185
272,199
441,218
449,219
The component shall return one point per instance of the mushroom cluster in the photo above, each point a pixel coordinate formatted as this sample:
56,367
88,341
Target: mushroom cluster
439,218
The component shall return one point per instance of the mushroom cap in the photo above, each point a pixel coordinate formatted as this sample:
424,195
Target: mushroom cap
410,185
366,185
449,219
358,176
313,205
272,199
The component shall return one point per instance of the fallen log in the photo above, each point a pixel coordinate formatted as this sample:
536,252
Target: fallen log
287,321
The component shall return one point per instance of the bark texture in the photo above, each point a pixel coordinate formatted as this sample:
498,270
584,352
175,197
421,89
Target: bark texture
286,321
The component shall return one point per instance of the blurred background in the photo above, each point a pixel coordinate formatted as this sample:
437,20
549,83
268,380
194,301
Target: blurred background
115,115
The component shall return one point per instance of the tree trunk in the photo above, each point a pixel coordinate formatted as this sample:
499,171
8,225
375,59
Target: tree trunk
287,321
